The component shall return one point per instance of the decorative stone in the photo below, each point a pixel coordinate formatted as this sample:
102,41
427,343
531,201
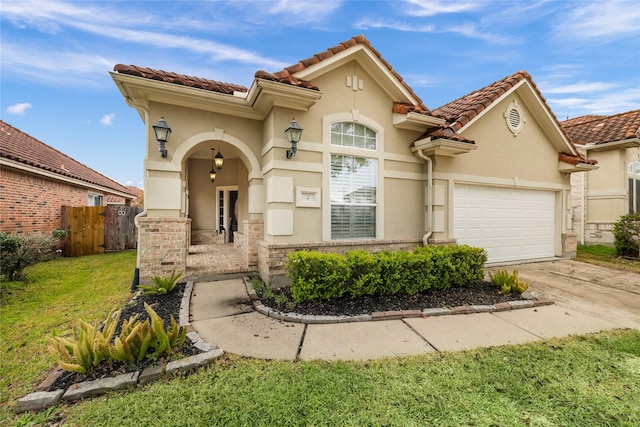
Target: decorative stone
463,309
520,304
503,306
101,386
411,313
483,308
530,295
193,362
436,311
326,319
39,400
151,373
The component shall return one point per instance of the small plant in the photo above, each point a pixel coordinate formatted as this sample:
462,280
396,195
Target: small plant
88,347
519,286
508,282
162,285
91,346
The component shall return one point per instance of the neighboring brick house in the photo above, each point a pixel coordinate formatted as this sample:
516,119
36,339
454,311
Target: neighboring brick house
614,189
36,180
374,169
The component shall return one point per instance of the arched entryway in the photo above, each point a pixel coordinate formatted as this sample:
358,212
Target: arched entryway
226,214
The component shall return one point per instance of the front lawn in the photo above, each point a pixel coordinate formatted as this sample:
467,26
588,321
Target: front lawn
606,256
56,294
584,380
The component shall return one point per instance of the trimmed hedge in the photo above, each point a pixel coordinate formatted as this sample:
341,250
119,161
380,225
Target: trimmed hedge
325,276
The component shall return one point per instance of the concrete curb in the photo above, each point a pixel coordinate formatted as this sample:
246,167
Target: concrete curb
386,315
40,399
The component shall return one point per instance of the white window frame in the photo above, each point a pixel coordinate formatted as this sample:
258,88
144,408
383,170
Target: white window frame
328,149
91,199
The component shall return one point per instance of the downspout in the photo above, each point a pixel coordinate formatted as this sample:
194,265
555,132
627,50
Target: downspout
136,220
582,207
429,231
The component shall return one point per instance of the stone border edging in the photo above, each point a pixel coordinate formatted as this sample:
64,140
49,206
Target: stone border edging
41,399
386,315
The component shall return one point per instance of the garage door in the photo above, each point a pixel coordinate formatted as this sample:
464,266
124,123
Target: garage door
510,224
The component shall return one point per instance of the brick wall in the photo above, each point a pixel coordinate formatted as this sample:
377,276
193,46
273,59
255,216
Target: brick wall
163,245
33,204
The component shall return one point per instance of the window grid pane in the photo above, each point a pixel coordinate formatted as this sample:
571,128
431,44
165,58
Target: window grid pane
353,135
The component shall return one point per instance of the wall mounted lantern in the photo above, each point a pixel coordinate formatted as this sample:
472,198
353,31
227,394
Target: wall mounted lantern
294,132
216,163
162,131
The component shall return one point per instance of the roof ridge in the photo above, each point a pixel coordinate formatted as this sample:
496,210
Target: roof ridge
289,71
41,165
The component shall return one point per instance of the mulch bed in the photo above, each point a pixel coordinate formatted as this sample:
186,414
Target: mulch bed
478,293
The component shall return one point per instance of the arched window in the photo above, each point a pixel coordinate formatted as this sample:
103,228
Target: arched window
633,170
354,183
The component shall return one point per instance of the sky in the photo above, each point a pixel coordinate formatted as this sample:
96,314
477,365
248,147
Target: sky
55,57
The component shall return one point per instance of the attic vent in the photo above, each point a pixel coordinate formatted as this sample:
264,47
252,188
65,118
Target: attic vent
514,118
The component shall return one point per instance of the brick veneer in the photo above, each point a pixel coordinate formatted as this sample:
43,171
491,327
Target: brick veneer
272,257
33,204
163,245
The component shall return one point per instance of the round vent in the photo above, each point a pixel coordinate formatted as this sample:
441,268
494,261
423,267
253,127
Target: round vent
514,118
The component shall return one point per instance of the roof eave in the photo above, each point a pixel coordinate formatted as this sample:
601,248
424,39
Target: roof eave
442,147
141,91
615,145
416,121
56,176
565,167
264,95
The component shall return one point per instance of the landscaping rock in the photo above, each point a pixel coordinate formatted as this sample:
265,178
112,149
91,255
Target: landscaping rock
193,362
101,386
39,400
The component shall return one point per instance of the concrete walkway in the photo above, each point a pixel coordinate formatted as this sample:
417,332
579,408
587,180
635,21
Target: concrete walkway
587,299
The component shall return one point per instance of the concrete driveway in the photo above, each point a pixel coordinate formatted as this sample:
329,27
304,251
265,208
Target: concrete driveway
599,292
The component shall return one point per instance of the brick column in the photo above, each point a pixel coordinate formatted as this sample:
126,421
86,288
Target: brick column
163,245
253,232
569,245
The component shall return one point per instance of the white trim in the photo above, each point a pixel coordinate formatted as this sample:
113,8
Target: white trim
329,149
500,182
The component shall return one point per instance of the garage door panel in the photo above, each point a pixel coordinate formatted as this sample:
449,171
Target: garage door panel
510,224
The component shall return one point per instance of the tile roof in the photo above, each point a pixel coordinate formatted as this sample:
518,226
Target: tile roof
23,148
285,76
602,129
179,79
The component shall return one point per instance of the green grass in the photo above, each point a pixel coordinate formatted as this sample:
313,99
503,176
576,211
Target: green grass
605,256
56,294
579,381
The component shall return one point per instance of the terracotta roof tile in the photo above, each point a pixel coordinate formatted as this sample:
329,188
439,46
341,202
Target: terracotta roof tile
179,79
574,160
23,148
592,129
463,110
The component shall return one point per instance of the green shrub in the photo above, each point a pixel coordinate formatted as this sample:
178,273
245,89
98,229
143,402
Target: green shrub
627,235
161,284
316,275
19,252
324,276
364,273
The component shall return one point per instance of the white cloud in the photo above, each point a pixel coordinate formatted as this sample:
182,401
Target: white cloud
436,7
19,108
600,21
107,119
580,87
366,23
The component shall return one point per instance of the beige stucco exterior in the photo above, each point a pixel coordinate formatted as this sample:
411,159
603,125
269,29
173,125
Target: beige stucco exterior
603,194
284,204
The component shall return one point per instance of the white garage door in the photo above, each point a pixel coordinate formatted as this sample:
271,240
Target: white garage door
510,224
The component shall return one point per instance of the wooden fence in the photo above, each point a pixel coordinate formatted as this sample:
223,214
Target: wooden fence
97,229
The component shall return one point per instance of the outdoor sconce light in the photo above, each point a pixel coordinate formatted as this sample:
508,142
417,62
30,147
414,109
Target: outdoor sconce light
162,131
294,132
216,163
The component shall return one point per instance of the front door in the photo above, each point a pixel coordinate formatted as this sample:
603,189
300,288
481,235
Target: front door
227,211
